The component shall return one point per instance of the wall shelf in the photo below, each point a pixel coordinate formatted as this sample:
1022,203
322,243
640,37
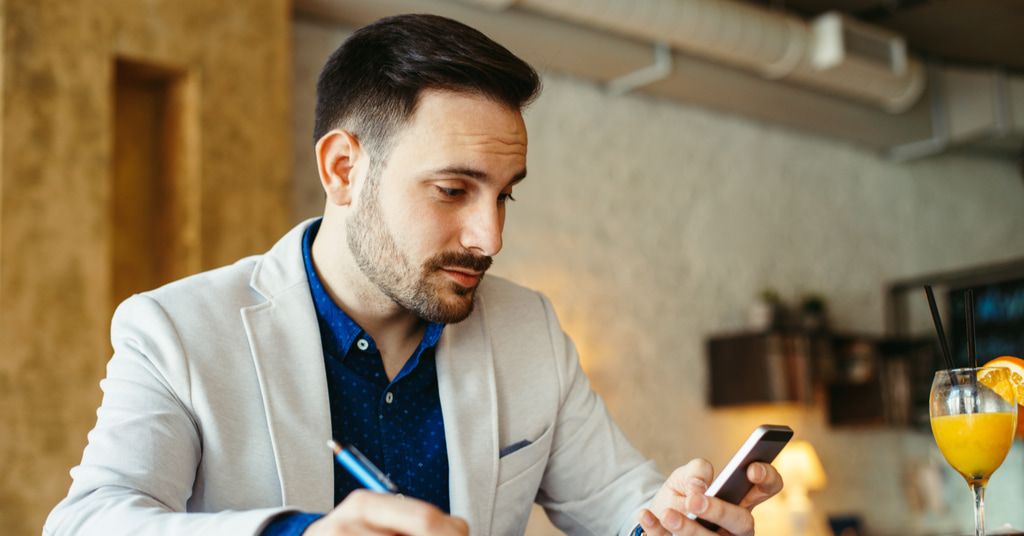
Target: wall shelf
861,379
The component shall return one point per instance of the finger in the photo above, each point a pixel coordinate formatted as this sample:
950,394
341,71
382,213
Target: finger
730,517
693,487
687,480
382,512
671,523
767,483
697,468
651,525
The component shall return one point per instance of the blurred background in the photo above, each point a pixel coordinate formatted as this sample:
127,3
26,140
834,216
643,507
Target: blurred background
732,206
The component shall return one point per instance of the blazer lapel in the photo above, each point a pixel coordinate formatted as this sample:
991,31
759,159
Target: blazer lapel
466,385
284,338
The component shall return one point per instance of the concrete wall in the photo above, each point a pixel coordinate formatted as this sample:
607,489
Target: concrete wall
652,224
55,173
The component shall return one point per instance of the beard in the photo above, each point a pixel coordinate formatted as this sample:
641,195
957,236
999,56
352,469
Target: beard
425,290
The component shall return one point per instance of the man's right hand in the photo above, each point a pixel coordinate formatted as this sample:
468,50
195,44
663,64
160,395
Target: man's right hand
372,513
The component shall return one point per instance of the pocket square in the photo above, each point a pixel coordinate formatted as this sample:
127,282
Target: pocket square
513,447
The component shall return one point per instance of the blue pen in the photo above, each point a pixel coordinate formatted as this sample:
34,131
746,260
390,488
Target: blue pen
362,468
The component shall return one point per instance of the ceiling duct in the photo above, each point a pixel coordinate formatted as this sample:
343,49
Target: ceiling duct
970,107
831,53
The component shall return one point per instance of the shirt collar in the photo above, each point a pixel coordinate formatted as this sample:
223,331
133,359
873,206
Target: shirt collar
342,329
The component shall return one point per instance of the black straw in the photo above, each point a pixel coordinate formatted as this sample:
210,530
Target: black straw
972,356
938,327
945,347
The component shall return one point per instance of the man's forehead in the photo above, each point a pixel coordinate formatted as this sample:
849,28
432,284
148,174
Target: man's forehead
466,120
461,136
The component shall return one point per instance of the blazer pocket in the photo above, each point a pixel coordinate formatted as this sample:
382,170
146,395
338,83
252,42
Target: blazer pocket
520,472
505,451
523,455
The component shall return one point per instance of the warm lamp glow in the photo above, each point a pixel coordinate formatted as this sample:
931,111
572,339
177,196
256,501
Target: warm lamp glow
799,466
801,471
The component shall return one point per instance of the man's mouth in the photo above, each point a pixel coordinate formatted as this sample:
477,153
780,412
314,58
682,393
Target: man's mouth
465,269
464,277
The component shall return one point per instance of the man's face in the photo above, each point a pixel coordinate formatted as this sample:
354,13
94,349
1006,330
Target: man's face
429,220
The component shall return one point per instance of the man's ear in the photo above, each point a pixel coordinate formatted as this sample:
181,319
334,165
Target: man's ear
338,155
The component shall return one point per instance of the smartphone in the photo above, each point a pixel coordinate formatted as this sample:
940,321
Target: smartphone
731,484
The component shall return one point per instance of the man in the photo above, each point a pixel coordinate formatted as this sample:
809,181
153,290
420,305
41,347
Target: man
374,325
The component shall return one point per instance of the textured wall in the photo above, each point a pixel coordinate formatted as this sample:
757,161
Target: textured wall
652,224
58,58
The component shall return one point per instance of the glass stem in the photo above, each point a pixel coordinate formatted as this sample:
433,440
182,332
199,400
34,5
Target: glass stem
979,508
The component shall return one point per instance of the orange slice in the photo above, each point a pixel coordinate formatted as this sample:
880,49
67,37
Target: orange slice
1016,367
998,383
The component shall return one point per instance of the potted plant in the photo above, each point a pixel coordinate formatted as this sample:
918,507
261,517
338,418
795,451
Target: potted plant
814,312
765,313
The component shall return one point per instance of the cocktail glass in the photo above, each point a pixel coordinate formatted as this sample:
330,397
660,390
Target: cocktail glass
973,415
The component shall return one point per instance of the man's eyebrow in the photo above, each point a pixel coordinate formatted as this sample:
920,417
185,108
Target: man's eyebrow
477,174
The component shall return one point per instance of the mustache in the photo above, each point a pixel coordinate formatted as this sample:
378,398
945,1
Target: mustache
451,259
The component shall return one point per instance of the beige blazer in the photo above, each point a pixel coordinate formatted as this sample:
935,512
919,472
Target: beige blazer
215,414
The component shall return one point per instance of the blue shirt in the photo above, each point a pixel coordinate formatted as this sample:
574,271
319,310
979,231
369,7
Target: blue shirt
397,424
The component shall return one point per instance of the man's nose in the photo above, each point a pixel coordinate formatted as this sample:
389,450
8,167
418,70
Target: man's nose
482,230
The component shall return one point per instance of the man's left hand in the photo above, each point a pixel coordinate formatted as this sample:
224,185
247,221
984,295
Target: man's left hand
683,493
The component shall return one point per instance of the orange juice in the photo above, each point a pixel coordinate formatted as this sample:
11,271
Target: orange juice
975,444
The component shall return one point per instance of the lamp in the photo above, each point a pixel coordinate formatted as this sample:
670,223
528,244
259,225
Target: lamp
801,471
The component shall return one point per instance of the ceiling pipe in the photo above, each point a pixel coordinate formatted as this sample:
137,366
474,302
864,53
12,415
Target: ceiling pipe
553,44
833,53
659,70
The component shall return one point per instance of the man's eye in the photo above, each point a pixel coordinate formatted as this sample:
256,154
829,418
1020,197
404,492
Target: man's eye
451,192
505,197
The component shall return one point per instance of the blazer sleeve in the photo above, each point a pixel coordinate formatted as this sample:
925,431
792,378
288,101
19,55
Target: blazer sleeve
138,470
595,482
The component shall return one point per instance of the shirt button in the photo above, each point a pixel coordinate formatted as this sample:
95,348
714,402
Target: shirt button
362,344
389,397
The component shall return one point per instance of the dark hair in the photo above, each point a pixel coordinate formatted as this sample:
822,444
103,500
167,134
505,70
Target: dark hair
371,84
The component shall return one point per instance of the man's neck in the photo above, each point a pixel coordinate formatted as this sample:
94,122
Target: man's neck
396,332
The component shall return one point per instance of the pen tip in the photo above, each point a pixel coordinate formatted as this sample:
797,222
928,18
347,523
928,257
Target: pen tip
334,445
